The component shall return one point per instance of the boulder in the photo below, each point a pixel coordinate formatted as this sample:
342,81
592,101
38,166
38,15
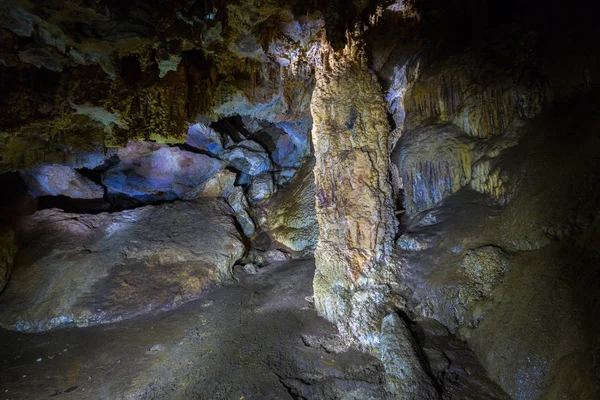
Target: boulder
87,269
220,184
248,157
237,200
149,171
261,187
60,180
203,137
405,374
289,217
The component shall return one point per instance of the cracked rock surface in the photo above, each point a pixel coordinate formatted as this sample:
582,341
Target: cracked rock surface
257,339
85,269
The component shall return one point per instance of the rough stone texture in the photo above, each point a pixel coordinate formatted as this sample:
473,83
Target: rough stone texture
205,138
289,217
238,201
248,157
92,75
485,267
221,184
446,94
516,281
8,251
261,187
93,269
150,171
81,144
58,180
251,333
434,162
354,207
405,374
454,366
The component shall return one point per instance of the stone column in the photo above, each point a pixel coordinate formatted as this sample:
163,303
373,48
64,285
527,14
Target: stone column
354,201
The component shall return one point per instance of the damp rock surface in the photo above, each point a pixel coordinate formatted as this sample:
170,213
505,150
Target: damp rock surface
149,171
260,337
243,341
406,376
289,216
59,180
92,269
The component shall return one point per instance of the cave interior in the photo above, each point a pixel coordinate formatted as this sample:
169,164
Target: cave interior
295,199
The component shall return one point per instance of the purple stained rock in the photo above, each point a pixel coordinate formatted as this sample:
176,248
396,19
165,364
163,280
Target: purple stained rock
203,137
60,180
248,157
149,171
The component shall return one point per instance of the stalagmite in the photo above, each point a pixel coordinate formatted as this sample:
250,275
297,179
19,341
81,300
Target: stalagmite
354,207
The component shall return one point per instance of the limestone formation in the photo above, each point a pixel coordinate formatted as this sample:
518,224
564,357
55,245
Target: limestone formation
239,203
58,180
437,158
221,184
354,208
203,137
248,157
405,373
261,187
289,216
94,269
434,162
150,171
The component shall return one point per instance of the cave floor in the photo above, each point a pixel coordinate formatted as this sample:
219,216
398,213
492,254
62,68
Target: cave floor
256,339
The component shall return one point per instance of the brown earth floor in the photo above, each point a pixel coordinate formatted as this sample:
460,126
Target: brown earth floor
257,339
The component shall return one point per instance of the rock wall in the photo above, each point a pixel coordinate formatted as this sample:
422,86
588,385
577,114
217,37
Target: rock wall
93,269
289,217
354,205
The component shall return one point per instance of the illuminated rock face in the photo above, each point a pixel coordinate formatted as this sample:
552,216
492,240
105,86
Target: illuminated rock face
150,171
434,161
92,269
354,206
289,216
58,180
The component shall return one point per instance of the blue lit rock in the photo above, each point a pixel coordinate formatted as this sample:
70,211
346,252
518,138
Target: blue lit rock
287,153
149,171
239,203
203,137
285,176
261,187
87,269
59,180
286,142
299,131
248,157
